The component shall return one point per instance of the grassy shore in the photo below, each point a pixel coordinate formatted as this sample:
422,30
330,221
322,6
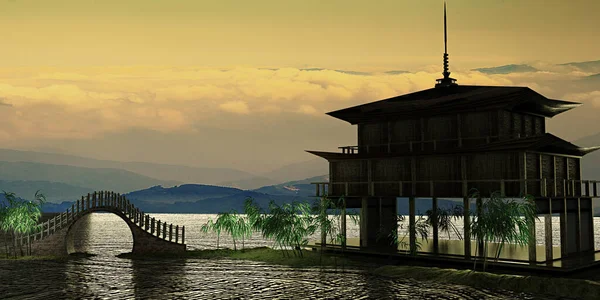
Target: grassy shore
262,254
563,287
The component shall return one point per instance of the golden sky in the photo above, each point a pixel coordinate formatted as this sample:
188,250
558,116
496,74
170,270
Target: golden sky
185,81
294,33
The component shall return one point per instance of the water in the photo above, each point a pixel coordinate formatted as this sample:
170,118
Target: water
105,276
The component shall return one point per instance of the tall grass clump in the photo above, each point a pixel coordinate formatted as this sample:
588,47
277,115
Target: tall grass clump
501,220
19,218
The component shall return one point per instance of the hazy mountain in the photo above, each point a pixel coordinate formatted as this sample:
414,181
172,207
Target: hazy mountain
396,72
300,170
507,69
585,66
158,171
300,188
116,180
590,162
250,183
592,77
54,191
182,193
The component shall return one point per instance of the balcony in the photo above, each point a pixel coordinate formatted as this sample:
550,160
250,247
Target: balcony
427,145
539,188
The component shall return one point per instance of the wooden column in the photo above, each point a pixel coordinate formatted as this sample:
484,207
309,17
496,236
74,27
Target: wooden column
412,226
532,245
183,234
548,232
342,225
479,208
434,208
458,130
152,225
523,175
413,175
323,232
170,232
176,233
370,187
466,208
364,218
389,137
563,229
422,134
578,228
541,177
554,175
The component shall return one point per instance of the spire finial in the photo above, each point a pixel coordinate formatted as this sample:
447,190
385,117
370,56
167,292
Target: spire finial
446,81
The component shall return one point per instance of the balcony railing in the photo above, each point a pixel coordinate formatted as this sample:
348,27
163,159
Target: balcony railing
549,188
426,145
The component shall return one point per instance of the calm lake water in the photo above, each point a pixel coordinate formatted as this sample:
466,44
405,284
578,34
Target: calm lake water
105,276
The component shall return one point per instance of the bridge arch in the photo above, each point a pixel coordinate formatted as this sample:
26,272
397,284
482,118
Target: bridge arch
149,235
70,234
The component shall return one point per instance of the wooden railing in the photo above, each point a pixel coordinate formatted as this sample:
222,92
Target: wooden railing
422,145
110,200
460,188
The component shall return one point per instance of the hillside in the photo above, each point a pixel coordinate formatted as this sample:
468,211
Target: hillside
163,172
590,162
182,193
54,191
300,170
300,188
117,180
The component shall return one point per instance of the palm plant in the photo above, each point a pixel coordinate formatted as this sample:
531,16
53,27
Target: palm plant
445,218
421,228
503,221
210,226
21,217
289,225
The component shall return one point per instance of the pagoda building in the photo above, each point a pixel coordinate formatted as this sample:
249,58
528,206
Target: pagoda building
447,140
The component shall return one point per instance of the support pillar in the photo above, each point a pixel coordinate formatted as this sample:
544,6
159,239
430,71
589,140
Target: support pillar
548,233
467,226
434,208
412,225
343,224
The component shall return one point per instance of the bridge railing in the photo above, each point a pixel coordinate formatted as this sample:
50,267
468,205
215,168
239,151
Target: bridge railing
107,199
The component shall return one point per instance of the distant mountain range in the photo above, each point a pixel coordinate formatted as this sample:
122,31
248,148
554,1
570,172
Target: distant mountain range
55,180
198,198
591,162
586,66
507,69
163,174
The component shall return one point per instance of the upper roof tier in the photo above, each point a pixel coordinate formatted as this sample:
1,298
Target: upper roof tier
455,99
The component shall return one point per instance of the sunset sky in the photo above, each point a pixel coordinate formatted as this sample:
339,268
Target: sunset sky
219,83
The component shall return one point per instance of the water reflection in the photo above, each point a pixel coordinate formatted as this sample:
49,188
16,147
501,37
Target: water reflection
105,276
164,280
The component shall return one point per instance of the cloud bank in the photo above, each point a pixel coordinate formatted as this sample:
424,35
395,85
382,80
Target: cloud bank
88,103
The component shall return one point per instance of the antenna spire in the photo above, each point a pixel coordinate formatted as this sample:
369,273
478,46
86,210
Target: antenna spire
446,81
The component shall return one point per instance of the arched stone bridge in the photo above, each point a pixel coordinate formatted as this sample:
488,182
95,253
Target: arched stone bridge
149,235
